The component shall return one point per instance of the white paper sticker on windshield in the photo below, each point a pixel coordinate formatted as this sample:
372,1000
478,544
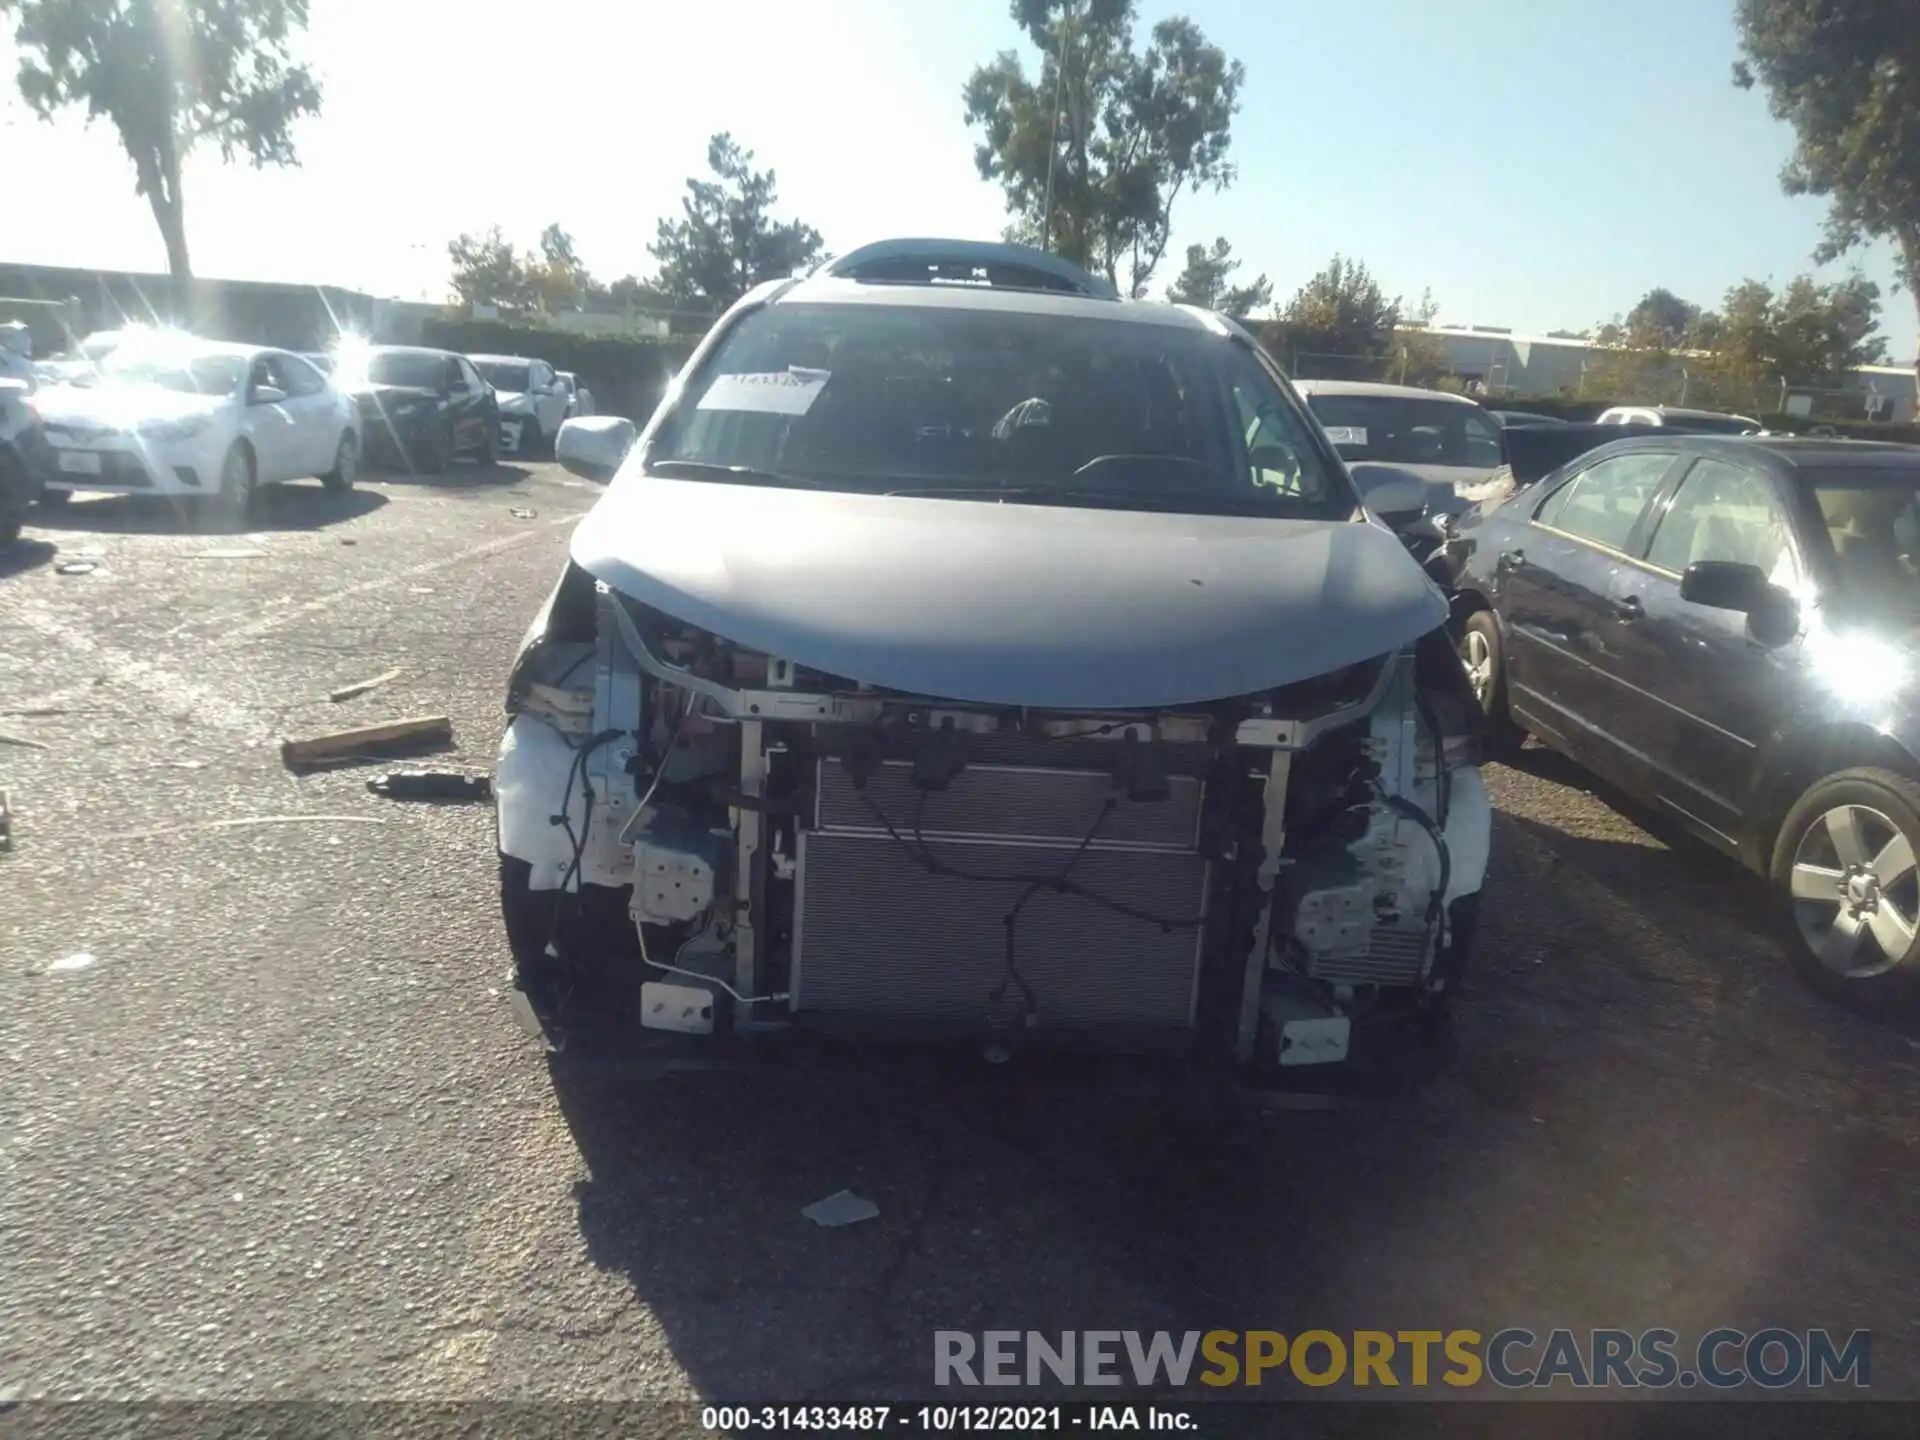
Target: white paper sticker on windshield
782,392
1347,434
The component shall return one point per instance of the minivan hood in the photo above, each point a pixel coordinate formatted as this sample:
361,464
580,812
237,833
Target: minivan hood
1011,604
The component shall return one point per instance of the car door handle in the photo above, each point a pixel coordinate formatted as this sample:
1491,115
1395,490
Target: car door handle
1510,560
1630,609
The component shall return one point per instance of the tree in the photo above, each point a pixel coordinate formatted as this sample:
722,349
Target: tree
629,292
1204,283
726,241
1807,335
1416,355
1664,316
1341,314
1846,75
559,280
489,270
1093,155
169,75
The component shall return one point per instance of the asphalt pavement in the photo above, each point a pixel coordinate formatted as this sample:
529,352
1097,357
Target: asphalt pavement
267,1129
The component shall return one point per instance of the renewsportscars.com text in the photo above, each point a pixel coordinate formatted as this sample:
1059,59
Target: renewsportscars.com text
1513,1358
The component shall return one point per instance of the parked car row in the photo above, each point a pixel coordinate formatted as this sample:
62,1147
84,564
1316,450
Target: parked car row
175,415
160,412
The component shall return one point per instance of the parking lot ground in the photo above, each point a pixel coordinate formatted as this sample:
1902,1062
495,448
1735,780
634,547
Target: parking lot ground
279,1137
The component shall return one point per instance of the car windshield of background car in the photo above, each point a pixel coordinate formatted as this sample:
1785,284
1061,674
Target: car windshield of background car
191,374
1035,407
418,372
1873,526
513,379
1407,431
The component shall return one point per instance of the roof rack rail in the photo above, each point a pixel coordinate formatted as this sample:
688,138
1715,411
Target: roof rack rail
966,262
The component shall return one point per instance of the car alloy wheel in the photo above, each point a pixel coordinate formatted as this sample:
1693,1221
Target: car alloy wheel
1855,885
1477,656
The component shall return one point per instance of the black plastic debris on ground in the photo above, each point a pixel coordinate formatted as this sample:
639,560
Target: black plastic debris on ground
432,785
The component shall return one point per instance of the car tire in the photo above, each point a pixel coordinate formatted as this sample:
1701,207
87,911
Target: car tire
346,464
16,498
53,499
436,450
1482,652
239,482
489,452
1855,833
532,438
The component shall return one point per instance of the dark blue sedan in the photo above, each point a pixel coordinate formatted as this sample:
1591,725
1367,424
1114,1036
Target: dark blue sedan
1728,629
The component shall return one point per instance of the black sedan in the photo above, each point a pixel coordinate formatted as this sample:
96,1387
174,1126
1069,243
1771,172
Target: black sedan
1728,630
420,408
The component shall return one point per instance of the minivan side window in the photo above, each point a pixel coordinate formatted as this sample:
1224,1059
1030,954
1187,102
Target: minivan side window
1603,502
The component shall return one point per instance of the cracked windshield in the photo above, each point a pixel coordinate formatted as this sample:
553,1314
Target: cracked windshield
1035,715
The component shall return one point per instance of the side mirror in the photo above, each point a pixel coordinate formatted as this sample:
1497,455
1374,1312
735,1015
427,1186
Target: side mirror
1725,585
266,395
594,446
1773,616
1399,502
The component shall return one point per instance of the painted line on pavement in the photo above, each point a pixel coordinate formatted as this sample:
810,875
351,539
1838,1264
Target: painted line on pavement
280,618
176,692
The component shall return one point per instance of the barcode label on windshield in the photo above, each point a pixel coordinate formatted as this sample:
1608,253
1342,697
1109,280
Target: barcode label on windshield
781,392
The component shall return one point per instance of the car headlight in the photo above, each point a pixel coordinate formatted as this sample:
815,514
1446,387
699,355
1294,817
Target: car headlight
173,429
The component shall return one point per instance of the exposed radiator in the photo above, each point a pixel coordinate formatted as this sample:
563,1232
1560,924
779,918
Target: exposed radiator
876,937
1010,802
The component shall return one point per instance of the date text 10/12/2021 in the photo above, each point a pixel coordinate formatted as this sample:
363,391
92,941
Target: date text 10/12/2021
947,1419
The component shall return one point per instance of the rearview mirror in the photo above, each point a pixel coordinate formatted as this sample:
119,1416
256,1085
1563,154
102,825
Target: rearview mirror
1725,585
594,446
1399,502
266,395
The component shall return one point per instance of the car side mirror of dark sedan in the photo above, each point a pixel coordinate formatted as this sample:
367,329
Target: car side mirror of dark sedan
1773,616
1725,585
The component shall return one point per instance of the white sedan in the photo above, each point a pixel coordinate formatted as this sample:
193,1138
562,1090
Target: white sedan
196,418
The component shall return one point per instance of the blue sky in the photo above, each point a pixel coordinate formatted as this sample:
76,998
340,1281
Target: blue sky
1538,163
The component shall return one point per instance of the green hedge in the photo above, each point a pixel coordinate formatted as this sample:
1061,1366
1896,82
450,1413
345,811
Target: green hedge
627,376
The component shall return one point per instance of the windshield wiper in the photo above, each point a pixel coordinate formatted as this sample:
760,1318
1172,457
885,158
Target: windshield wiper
747,473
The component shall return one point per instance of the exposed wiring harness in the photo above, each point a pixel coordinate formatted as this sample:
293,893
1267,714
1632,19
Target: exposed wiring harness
919,852
1060,881
1011,920
1406,807
577,769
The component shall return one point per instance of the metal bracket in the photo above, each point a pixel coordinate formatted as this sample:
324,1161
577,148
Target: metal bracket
747,887
1273,836
617,703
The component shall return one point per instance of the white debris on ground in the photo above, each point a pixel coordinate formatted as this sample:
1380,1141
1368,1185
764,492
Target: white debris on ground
843,1208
